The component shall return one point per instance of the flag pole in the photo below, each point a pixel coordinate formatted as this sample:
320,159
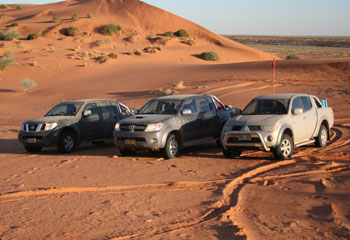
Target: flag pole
274,76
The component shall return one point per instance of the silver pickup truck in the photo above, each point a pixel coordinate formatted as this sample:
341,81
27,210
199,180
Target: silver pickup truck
170,123
278,123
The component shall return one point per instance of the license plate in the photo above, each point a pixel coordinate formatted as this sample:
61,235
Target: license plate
31,140
130,142
244,138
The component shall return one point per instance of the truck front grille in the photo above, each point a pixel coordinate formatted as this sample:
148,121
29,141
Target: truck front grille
32,127
132,128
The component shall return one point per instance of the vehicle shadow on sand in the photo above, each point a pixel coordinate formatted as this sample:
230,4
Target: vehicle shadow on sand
108,149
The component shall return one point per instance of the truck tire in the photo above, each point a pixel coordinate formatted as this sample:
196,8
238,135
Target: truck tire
172,147
32,149
67,142
124,152
322,138
284,149
231,152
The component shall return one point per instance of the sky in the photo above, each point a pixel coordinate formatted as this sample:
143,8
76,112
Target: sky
257,17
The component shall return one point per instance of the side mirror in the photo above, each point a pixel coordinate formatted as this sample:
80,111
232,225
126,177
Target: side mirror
87,113
186,112
298,111
235,112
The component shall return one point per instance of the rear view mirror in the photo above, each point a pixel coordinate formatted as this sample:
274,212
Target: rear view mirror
235,112
298,111
87,113
186,112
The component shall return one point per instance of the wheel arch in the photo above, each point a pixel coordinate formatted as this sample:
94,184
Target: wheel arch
285,130
177,133
72,130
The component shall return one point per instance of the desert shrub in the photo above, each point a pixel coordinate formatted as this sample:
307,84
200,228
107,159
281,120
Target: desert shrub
152,49
56,19
75,16
168,91
111,29
209,56
32,36
161,40
99,43
71,31
113,55
9,35
8,54
12,25
181,33
88,15
4,6
101,59
18,7
293,56
169,34
27,84
189,42
179,85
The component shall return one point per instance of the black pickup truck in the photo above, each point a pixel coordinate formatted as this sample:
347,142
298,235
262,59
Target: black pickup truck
170,123
70,123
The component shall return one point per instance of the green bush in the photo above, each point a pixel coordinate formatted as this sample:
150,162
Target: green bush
169,34
209,56
71,31
18,7
181,33
3,6
32,36
27,84
56,19
10,35
7,60
12,25
75,16
293,56
111,29
88,15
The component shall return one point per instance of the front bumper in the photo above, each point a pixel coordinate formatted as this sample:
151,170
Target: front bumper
39,139
138,140
259,140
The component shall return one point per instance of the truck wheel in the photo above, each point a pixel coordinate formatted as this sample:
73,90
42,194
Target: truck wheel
284,149
67,142
231,152
172,147
126,152
322,138
32,149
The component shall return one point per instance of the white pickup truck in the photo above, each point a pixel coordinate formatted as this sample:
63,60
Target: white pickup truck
278,123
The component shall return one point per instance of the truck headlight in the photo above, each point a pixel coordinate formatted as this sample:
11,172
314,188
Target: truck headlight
50,126
117,127
154,127
269,128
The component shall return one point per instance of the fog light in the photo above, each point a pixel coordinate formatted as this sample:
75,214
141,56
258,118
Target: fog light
154,140
269,138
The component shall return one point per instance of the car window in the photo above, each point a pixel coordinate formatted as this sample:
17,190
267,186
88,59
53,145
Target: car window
204,105
318,104
94,112
108,113
307,103
266,107
191,105
123,109
296,104
161,106
65,109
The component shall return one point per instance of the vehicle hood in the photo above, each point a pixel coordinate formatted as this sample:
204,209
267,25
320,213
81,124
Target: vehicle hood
255,120
51,119
145,119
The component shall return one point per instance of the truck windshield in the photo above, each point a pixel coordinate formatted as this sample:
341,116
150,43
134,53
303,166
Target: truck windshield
266,107
161,106
65,109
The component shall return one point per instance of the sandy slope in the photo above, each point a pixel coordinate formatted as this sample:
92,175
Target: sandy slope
92,194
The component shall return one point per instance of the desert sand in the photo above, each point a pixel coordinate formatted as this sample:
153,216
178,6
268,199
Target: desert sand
94,194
